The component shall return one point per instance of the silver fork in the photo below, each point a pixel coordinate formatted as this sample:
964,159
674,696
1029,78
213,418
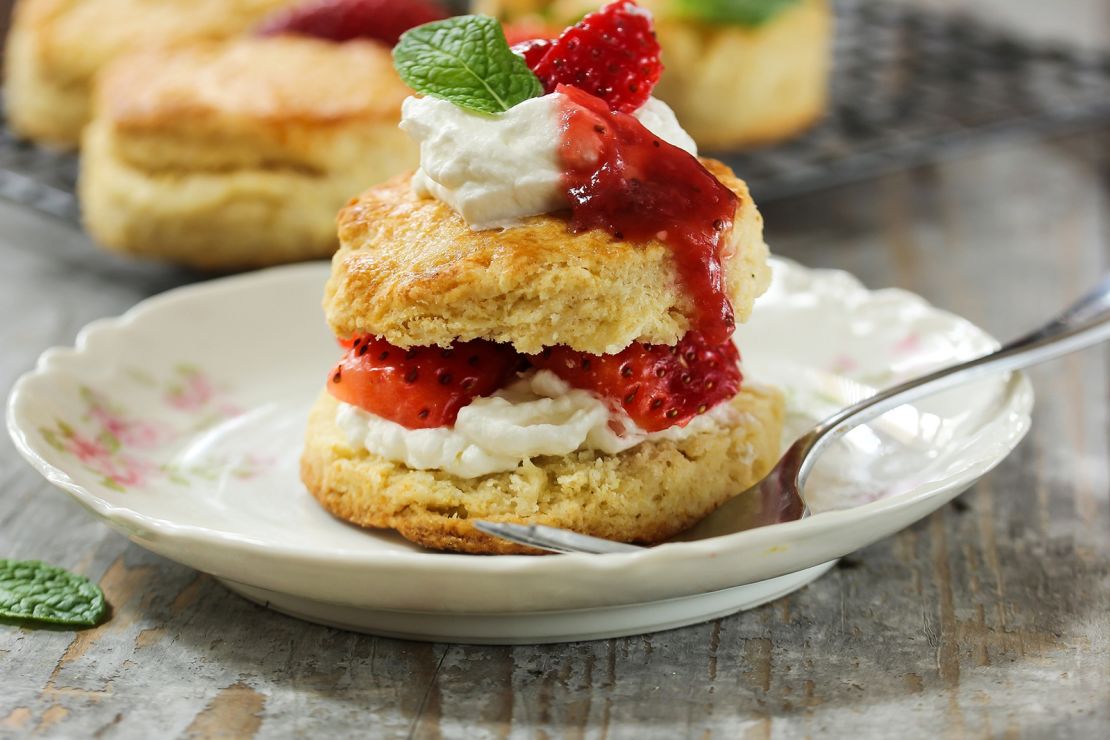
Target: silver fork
777,498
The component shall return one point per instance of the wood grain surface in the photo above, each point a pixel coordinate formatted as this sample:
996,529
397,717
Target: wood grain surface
989,619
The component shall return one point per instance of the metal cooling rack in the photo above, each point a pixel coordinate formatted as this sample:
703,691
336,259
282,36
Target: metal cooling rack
41,179
909,86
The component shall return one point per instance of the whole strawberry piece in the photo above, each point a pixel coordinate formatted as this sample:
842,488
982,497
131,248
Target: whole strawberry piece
656,385
344,20
612,54
533,50
423,387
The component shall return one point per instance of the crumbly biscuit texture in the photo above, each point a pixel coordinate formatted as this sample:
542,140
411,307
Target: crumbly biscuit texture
410,270
644,495
56,48
229,156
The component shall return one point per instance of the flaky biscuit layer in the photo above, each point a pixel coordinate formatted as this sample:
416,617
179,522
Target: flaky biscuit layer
410,270
645,495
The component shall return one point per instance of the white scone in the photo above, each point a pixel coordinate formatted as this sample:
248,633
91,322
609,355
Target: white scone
731,85
56,48
227,156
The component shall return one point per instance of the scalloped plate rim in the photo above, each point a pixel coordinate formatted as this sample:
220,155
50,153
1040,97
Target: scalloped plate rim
1018,403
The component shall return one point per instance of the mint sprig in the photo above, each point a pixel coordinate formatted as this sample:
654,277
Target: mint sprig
467,61
33,592
735,12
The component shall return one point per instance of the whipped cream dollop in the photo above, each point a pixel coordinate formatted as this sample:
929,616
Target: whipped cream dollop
496,170
538,415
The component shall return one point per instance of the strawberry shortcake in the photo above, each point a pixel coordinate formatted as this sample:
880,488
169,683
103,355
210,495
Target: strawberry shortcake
536,326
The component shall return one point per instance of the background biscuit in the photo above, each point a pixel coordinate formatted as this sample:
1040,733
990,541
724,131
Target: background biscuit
731,86
226,156
56,48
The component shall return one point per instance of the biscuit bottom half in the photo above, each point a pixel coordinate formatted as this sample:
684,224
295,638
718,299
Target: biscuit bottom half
643,495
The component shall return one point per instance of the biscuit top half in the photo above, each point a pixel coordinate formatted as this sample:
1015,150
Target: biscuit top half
283,100
410,270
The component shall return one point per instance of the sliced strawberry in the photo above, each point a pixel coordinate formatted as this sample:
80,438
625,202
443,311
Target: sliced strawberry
612,54
343,20
423,387
656,385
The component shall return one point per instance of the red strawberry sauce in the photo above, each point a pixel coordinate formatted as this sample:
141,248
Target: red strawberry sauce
622,178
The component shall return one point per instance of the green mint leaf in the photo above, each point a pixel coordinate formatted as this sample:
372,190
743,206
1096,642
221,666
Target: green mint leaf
737,12
32,591
467,61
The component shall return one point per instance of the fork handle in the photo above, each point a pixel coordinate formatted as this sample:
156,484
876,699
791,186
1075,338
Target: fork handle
1083,324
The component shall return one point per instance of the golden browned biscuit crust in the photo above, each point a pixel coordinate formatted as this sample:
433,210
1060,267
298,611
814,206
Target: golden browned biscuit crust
285,101
56,47
410,270
226,156
646,494
730,86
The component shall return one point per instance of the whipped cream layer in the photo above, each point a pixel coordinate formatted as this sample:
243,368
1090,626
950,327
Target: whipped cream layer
536,416
496,170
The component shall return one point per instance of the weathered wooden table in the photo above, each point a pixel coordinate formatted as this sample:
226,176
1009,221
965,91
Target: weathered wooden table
991,618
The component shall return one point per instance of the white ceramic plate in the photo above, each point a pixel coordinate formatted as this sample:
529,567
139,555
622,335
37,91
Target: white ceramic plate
180,424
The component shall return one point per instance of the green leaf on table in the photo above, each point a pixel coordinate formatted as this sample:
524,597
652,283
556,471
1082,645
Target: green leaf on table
467,61
736,12
33,592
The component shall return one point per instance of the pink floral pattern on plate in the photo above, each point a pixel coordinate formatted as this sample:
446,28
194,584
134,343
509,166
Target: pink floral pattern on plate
193,392
118,447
